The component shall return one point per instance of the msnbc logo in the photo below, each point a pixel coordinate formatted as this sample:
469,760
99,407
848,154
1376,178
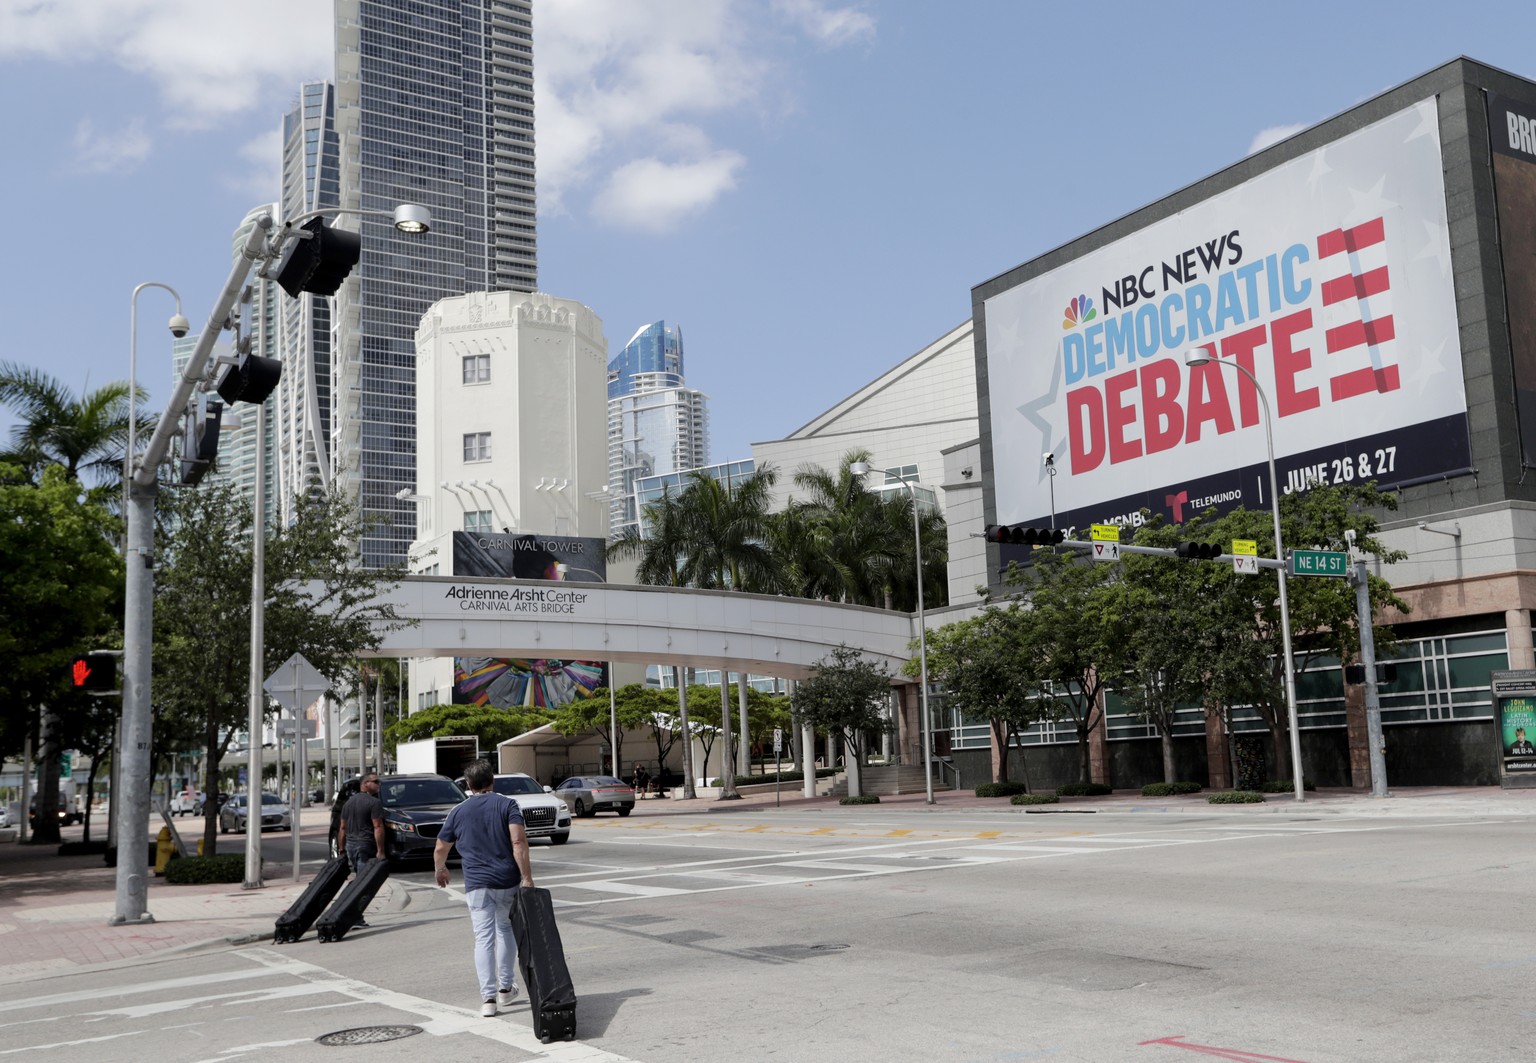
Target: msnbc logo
1079,310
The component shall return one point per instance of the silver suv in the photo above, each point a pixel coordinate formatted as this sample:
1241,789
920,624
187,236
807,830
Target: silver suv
544,815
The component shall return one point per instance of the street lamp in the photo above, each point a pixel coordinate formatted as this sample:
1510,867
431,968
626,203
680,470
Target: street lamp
863,468
262,248
1198,356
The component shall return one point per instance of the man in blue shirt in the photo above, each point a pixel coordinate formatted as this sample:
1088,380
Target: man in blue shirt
493,851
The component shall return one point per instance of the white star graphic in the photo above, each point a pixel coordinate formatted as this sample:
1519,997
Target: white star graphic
1369,204
1437,246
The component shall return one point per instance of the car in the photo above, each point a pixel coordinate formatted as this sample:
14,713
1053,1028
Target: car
274,814
414,809
186,802
5,816
67,814
200,805
544,814
590,794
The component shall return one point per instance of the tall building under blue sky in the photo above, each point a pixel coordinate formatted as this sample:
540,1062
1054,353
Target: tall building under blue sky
654,348
434,105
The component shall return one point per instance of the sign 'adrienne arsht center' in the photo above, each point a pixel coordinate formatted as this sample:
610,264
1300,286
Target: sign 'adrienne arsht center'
760,634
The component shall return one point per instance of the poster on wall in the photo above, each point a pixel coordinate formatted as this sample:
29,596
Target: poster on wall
522,682
1514,708
1327,278
1512,136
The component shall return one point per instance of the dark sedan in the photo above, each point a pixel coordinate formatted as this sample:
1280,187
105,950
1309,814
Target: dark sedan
414,809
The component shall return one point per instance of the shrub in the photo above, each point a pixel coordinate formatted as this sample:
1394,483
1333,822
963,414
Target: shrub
1236,797
1170,789
1083,789
226,867
1033,799
865,799
999,789
1286,786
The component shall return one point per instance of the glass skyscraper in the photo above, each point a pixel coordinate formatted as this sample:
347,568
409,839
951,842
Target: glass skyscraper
434,105
304,406
654,348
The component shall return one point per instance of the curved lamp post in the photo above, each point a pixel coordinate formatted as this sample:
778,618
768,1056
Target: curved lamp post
863,468
1199,356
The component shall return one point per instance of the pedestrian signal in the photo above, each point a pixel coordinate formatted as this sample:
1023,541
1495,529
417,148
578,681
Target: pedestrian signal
1019,535
1198,551
93,671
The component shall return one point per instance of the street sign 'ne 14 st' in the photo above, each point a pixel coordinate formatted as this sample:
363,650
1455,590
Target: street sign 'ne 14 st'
1319,563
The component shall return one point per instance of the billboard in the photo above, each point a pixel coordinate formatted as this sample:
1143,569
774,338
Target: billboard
1328,278
525,682
1512,136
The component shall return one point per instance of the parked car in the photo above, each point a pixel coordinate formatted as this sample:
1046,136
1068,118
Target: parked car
414,809
186,802
5,815
275,815
544,814
590,794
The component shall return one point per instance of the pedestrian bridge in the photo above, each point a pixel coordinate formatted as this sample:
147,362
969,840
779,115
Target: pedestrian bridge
755,633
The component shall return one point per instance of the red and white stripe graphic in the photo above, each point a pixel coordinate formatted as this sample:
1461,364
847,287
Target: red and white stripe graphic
1357,317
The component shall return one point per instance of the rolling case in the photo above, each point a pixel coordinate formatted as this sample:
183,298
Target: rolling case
347,910
542,958
302,913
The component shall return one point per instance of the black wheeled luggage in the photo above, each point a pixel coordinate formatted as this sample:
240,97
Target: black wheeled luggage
542,958
347,910
302,913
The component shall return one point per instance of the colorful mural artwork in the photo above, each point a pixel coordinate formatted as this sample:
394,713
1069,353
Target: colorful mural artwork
504,684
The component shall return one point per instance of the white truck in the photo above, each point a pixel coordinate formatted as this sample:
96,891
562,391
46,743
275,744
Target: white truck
437,756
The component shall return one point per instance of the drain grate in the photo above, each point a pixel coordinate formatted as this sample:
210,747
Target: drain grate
367,1035
828,948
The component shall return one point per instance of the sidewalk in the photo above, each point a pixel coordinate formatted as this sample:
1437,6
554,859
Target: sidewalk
54,910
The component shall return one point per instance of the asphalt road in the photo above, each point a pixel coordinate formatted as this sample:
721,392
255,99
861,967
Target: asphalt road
808,936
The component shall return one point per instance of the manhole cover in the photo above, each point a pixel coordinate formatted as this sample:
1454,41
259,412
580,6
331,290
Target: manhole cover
367,1035
828,948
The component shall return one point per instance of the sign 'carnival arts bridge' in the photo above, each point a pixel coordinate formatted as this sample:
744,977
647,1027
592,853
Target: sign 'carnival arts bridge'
761,634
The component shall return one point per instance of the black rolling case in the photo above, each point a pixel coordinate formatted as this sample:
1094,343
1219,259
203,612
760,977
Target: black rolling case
347,910
542,958
302,913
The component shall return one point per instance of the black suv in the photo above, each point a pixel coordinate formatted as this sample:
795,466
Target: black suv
414,809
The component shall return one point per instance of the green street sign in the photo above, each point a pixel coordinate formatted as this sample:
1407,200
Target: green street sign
1319,563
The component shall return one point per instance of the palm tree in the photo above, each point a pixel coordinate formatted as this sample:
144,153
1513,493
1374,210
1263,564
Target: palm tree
85,435
849,534
661,565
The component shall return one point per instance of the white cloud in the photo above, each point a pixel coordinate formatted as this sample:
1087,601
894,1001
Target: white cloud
653,195
111,151
261,176
831,26
1274,135
209,60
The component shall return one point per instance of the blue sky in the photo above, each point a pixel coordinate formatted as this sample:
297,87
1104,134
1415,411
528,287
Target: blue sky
810,188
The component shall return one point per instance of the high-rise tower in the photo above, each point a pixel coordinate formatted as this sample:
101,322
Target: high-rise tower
434,105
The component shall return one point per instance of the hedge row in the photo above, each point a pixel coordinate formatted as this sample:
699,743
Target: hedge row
1033,799
1170,789
225,867
1236,797
865,799
1083,789
1000,789
1286,786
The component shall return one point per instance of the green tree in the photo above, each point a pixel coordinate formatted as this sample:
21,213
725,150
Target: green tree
1076,634
993,666
1246,665
319,602
490,726
590,716
847,694
61,587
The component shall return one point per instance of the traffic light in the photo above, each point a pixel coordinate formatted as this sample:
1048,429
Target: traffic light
1198,551
1019,535
200,441
251,379
93,672
319,261
1355,673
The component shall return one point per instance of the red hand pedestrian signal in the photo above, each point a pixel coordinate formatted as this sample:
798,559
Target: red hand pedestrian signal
94,672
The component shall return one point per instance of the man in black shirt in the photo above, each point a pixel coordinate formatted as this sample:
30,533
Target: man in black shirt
361,832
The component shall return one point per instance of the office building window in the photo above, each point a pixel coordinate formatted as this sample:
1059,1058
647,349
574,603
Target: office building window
477,368
477,446
477,520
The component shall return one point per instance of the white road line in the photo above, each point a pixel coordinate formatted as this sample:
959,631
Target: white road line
632,888
440,1019
69,1044
197,982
